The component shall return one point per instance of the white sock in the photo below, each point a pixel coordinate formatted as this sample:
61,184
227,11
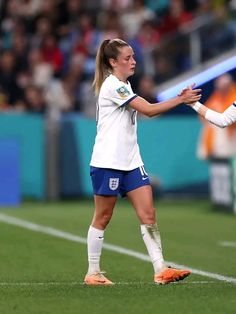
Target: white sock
152,240
94,242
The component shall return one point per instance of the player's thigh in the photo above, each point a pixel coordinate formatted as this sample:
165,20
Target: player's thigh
142,200
104,204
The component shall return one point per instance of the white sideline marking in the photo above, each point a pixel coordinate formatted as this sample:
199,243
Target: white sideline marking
76,283
114,248
228,243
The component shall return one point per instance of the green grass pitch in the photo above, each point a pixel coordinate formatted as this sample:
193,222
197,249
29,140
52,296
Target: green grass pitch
42,273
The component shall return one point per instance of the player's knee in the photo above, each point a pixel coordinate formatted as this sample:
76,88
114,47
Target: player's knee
148,217
103,219
106,218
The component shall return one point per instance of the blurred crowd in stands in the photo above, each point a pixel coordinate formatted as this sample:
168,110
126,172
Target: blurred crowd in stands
48,47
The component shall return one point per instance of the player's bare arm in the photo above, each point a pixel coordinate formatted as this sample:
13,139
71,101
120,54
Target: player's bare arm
150,110
222,120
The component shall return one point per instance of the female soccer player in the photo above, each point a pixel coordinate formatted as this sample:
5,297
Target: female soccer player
222,120
116,164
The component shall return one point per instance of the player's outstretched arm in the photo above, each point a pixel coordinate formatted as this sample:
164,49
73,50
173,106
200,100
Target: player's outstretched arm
150,110
222,120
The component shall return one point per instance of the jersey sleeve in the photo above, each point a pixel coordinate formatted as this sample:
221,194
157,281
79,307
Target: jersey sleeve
121,94
224,119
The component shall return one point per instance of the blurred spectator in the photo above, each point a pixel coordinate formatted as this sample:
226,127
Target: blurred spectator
88,99
111,25
86,30
51,53
60,93
8,77
148,37
164,68
50,10
20,48
3,100
176,18
93,6
70,12
132,20
34,99
205,9
43,28
41,71
216,142
116,5
29,8
148,34
147,89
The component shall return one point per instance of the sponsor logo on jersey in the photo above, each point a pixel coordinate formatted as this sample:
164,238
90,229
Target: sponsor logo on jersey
113,183
123,92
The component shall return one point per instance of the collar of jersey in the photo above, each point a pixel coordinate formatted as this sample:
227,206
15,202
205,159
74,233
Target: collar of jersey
119,79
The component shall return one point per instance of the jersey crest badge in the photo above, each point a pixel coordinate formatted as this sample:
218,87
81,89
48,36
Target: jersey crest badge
123,92
113,183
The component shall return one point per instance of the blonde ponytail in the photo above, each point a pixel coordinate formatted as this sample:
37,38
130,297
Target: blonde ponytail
108,49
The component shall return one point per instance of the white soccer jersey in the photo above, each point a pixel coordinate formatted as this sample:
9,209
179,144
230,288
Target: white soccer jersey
224,119
116,140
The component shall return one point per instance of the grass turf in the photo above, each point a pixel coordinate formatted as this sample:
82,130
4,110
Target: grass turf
43,274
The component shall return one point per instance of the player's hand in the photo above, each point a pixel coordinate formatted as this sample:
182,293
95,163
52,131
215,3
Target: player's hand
185,88
189,95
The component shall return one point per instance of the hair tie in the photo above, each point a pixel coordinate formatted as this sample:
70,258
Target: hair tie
107,41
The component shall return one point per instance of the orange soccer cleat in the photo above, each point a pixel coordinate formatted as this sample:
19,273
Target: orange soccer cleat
170,275
96,279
